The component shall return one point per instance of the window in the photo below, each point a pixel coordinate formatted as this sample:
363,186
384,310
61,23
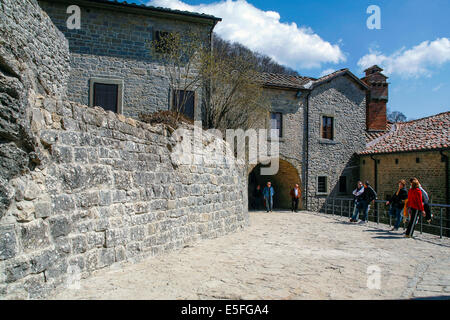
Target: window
276,122
322,186
343,184
396,161
106,93
163,41
417,160
364,161
184,102
327,127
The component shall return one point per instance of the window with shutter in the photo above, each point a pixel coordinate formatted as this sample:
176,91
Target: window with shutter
184,102
322,184
105,96
343,184
327,128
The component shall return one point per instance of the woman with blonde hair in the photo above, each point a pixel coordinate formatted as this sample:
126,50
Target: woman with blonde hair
415,206
397,203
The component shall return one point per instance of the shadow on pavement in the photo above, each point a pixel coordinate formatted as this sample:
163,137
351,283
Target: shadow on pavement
433,298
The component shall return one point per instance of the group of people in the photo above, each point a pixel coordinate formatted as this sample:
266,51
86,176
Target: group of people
265,197
403,203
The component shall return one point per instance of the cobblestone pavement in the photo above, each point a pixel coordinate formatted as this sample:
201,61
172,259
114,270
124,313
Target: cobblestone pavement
283,255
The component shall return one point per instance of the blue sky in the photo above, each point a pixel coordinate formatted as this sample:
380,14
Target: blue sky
314,37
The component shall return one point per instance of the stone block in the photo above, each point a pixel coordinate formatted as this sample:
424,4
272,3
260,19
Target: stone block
60,226
34,235
8,242
42,209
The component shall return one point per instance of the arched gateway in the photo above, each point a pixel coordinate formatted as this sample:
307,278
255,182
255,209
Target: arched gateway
282,182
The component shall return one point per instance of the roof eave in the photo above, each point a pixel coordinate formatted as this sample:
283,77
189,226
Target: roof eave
403,151
145,10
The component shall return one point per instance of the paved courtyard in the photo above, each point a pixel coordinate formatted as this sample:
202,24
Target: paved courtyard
285,256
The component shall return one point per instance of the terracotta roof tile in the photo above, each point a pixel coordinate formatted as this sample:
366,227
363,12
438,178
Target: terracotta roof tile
284,80
422,134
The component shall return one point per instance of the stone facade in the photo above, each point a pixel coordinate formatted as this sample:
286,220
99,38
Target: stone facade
392,167
301,145
115,44
94,188
344,100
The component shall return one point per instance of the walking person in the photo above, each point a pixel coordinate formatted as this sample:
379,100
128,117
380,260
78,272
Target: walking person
369,196
295,197
358,195
397,203
257,198
415,206
425,200
268,193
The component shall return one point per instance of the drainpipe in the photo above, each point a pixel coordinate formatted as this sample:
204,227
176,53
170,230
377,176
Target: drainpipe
306,151
375,182
447,187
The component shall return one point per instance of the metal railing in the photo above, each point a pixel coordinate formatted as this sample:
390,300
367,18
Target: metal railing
379,213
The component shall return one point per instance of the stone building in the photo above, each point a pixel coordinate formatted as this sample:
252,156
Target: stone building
82,188
418,148
110,57
395,151
321,124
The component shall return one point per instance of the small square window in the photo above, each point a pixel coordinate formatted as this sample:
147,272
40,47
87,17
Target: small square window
417,160
276,122
327,128
342,184
322,184
364,161
396,161
106,93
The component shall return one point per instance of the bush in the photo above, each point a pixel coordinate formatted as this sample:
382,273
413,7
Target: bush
170,118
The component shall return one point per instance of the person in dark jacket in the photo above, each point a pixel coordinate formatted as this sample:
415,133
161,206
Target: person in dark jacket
295,197
397,202
268,193
415,205
359,202
369,196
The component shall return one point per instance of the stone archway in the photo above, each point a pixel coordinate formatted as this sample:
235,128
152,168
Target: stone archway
282,182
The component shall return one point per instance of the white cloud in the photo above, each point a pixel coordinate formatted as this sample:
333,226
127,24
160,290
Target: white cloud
414,62
438,87
326,72
262,31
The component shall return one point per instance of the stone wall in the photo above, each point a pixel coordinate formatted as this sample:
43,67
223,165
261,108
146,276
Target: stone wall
430,171
87,188
344,100
113,44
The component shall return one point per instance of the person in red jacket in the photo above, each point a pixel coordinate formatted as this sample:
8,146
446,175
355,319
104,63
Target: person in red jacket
415,205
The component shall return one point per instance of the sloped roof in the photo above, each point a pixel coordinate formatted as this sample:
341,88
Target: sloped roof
430,133
117,5
372,135
284,80
305,83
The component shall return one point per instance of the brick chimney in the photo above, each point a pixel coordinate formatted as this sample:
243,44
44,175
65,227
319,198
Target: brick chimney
377,98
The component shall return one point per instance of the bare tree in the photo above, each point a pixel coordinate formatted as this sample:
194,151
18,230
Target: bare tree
181,57
233,96
396,116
